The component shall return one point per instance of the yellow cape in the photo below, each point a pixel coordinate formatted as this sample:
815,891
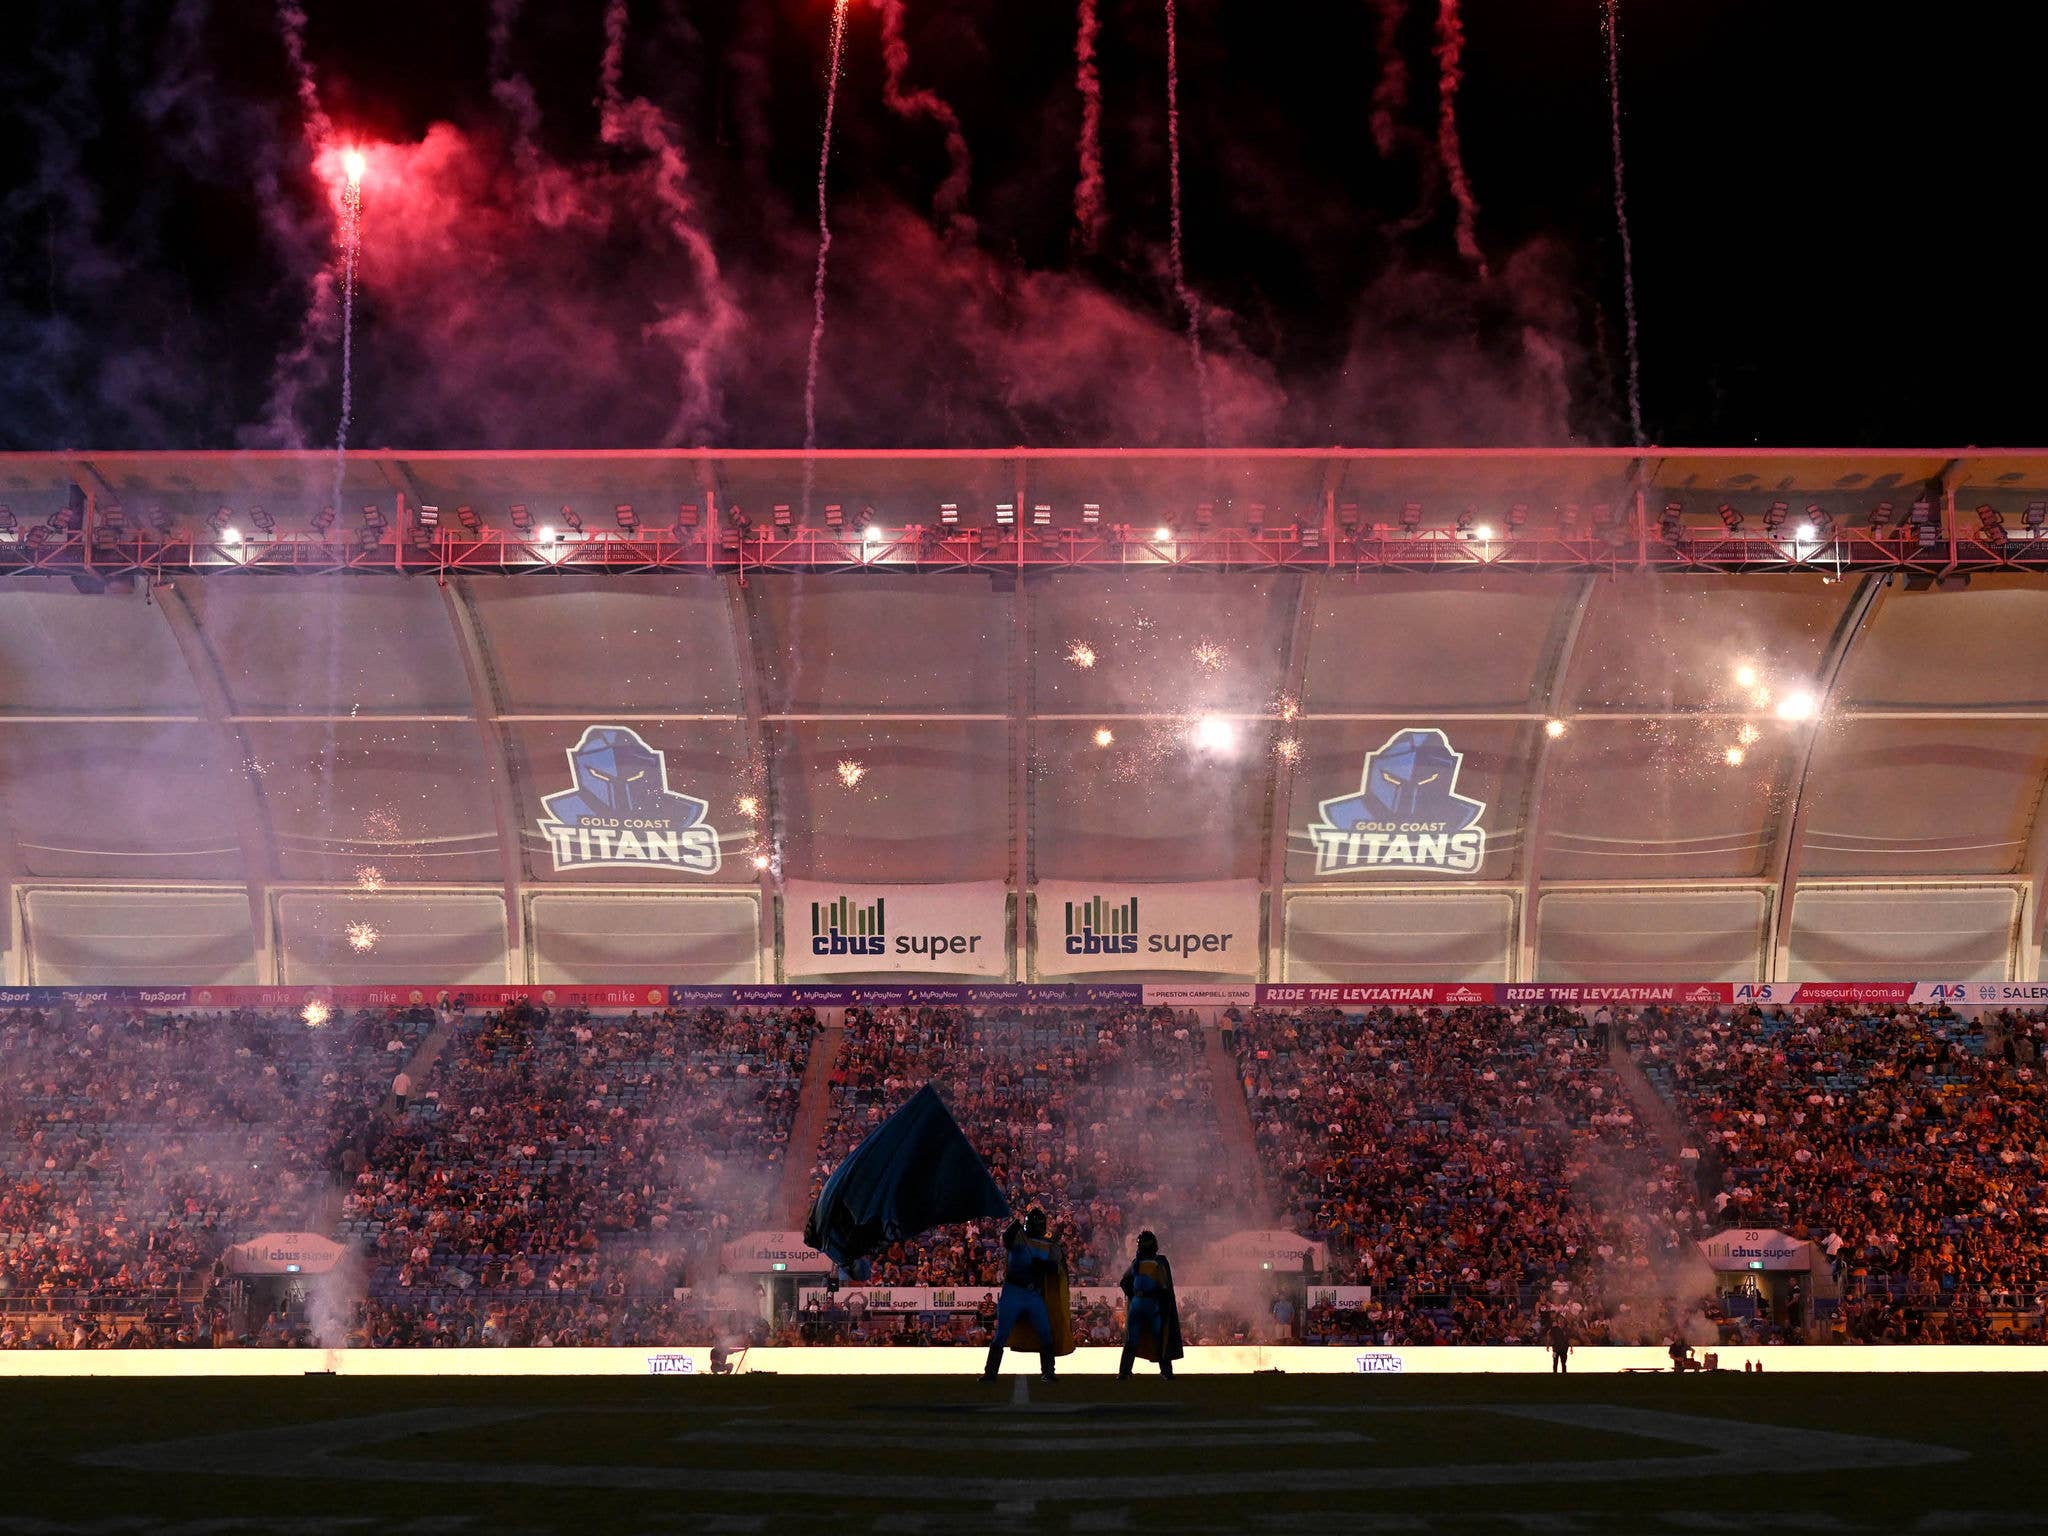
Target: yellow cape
1025,1337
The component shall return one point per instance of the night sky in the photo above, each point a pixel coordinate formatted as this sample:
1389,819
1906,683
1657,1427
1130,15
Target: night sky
1827,205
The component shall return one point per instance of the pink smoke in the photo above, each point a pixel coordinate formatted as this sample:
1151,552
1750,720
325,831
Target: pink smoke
950,201
1088,214
302,366
1390,90
701,339
1450,52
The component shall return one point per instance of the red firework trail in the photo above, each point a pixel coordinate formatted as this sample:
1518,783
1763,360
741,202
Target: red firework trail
1390,91
700,341
824,246
950,202
1450,51
351,247
1180,275
1611,24
1088,190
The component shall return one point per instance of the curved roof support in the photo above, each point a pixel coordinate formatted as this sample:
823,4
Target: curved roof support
1556,692
2034,932
1280,782
478,672
1023,688
13,965
245,794
1788,855
746,625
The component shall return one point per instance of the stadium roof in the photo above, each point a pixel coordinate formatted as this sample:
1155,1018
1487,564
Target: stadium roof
178,708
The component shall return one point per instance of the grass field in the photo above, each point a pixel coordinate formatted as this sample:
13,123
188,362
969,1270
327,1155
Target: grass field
1223,1454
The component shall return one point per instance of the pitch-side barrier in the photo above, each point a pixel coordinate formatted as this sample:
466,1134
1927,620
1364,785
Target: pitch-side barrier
1201,1360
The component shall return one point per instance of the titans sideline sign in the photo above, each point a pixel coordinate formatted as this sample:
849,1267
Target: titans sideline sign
619,812
1407,813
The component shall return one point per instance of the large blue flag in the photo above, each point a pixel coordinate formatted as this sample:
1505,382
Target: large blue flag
915,1171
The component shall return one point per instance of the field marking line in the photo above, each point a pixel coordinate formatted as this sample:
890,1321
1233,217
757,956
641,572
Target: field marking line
1734,1450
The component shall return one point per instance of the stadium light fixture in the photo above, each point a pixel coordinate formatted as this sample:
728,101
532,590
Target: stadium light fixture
522,519
546,534
783,516
1570,520
2035,515
1091,513
624,515
1881,516
322,521
1162,533
688,515
231,535
1205,513
265,523
1671,521
1464,523
1797,705
1731,519
835,515
1213,733
573,520
1553,729
1411,516
428,517
1518,515
1483,532
1006,514
871,534
1041,515
10,526
220,518
469,518
1774,517
112,523
1347,516
1804,532
949,513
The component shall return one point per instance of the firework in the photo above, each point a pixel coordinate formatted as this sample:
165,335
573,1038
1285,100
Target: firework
369,878
1288,707
761,861
1610,23
749,806
351,251
1553,729
1088,189
1104,736
1733,757
1745,675
1796,706
951,199
1390,90
1208,657
362,938
1450,54
1748,734
1181,289
1213,733
824,246
314,1013
850,772
1288,749
1081,654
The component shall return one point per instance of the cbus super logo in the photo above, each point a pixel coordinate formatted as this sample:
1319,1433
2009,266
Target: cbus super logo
1406,815
1102,927
845,927
1098,927
619,812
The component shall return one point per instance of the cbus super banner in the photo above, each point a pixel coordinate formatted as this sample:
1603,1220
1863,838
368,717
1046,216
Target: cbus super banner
830,929
1091,926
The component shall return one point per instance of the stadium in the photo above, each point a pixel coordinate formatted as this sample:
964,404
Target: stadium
864,886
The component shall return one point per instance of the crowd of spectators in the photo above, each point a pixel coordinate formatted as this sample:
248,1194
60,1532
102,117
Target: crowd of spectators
1105,1117
575,1171
135,1146
1910,1144
562,1178
1478,1167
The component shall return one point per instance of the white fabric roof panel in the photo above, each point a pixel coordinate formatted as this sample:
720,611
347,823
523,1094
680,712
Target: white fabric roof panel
586,645
62,653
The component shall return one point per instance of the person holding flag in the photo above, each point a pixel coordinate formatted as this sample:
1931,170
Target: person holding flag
1032,1312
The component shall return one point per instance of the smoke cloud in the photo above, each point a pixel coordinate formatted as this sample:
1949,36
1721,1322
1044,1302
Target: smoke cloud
612,244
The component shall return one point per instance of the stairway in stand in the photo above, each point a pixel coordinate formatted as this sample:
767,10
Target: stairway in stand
813,1107
1234,1120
